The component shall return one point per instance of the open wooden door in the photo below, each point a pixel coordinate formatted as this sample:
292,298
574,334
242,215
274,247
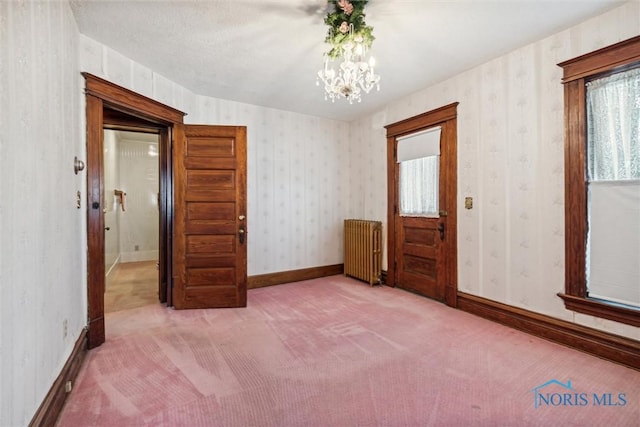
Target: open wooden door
210,248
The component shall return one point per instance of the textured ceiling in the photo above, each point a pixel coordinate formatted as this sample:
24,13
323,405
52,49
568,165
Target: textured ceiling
267,52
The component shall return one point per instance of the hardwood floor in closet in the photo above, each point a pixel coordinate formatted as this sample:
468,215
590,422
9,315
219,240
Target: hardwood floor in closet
131,285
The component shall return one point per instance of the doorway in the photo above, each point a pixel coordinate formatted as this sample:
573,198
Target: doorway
131,215
202,254
113,107
422,236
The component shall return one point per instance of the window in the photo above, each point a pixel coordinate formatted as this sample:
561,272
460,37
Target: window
419,158
419,187
613,188
602,183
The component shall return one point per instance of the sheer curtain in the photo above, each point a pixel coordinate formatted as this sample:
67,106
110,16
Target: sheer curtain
613,163
613,111
419,158
419,186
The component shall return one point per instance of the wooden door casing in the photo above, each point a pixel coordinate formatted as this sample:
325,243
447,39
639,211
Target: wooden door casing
95,222
433,277
210,248
105,100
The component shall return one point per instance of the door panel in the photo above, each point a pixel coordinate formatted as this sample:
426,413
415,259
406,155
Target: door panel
418,255
210,251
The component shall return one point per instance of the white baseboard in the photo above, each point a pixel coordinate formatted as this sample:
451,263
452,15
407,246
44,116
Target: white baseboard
138,256
112,266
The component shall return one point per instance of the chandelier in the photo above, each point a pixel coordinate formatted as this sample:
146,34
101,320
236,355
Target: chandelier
349,38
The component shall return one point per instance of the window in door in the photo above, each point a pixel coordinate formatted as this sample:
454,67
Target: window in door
419,161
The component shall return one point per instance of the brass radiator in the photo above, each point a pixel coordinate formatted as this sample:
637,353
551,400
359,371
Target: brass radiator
363,250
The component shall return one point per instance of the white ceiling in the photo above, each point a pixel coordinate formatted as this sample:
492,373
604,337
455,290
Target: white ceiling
267,52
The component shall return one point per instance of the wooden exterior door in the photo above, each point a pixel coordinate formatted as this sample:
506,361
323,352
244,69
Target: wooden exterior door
422,251
210,232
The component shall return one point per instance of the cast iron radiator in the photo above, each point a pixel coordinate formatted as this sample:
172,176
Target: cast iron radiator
363,250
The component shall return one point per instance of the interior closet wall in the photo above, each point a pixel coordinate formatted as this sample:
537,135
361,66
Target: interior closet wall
138,209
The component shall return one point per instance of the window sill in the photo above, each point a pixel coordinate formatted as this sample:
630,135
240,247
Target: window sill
602,309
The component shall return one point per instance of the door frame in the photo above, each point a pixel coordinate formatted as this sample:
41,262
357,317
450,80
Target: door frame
100,96
446,117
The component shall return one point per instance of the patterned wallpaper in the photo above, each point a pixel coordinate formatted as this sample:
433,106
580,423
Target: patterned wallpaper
510,160
42,233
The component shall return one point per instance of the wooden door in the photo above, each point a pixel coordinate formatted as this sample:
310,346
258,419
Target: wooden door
422,251
418,225
210,232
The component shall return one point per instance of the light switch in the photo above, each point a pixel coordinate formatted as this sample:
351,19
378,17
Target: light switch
468,202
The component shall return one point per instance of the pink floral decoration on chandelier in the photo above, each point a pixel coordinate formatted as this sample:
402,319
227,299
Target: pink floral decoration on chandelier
346,6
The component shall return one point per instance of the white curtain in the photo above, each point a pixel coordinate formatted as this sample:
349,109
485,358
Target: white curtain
613,111
419,158
613,162
419,187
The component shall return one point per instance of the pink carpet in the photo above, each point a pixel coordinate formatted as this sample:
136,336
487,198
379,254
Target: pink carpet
336,352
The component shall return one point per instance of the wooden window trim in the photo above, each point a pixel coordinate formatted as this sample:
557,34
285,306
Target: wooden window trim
576,73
